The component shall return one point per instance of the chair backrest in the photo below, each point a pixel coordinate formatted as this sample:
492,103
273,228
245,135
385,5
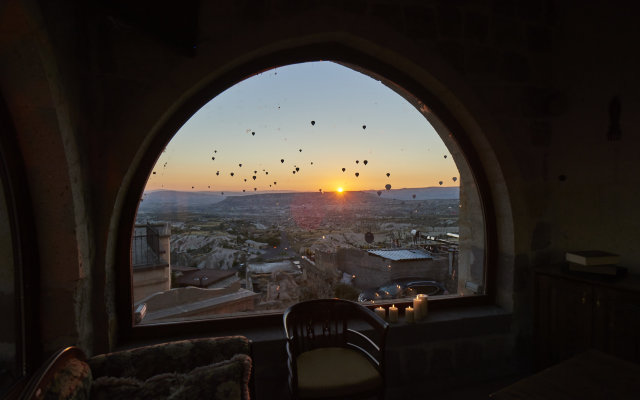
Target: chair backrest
335,323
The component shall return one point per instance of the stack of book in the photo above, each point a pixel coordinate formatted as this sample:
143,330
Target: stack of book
594,262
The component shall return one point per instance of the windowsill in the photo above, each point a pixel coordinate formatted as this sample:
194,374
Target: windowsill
449,323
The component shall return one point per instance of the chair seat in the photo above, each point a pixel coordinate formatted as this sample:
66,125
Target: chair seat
335,371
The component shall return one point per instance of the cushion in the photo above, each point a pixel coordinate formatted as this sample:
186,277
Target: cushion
71,382
226,380
181,356
335,371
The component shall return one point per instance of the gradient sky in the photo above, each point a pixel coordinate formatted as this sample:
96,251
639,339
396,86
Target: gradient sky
279,105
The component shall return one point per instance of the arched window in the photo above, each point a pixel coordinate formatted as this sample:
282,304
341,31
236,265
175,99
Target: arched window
306,181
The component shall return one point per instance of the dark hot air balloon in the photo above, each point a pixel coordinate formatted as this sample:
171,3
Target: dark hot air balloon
254,177
343,169
365,162
440,183
413,195
282,160
388,174
357,174
313,123
379,192
387,186
454,179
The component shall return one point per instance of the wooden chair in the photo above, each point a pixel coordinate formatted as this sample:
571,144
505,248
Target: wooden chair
336,349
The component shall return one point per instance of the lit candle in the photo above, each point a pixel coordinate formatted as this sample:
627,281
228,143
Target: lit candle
417,307
381,312
424,305
408,315
393,313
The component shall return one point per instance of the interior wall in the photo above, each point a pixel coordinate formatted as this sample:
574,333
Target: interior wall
89,88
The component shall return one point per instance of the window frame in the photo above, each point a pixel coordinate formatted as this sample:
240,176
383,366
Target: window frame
332,51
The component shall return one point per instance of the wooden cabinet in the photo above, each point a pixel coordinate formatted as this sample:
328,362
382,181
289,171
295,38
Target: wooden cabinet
575,312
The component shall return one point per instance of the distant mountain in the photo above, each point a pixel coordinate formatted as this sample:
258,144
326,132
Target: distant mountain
428,193
177,201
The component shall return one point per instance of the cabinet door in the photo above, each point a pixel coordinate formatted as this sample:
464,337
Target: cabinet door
618,314
564,319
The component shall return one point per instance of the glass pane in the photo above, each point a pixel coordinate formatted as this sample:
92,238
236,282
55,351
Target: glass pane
306,181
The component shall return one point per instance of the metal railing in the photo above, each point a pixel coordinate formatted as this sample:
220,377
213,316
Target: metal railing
145,248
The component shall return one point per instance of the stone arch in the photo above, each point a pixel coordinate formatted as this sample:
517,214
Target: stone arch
434,89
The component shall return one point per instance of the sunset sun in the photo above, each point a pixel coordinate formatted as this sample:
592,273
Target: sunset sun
339,190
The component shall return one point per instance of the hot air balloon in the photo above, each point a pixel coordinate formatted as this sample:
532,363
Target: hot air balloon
320,190
275,183
300,150
266,173
231,174
154,172
254,177
343,169
282,160
413,195
387,186
222,193
215,151
217,172
313,123
445,156
357,161
245,179
440,183
294,172
253,133
240,165
365,162
454,179
379,192
297,169
364,127
357,174
388,174
243,190
213,158
254,189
